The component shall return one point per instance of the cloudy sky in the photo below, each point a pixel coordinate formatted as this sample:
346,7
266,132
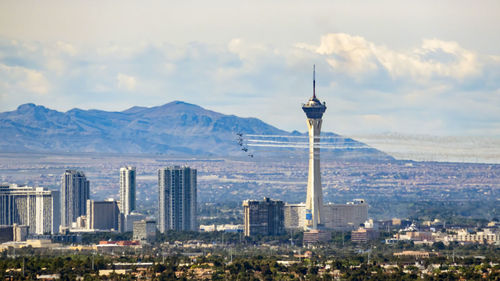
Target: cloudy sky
404,67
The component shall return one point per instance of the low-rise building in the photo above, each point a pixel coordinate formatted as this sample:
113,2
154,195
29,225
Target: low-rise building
411,236
486,236
335,216
263,217
20,232
362,235
6,233
294,215
222,227
417,254
415,236
102,215
316,236
144,230
345,216
15,232
128,221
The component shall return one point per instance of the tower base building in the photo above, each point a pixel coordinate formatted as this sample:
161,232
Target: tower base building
335,216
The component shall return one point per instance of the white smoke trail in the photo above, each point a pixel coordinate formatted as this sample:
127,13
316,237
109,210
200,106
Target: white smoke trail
305,146
405,147
291,137
278,142
274,136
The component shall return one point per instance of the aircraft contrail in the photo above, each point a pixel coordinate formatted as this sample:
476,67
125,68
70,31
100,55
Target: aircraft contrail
291,137
306,146
283,142
296,144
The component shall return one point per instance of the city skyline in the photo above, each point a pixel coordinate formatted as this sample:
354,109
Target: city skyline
419,68
184,115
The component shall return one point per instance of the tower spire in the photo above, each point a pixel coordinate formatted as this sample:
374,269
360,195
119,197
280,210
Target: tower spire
314,81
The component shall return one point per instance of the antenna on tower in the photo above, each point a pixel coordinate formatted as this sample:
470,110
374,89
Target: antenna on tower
314,81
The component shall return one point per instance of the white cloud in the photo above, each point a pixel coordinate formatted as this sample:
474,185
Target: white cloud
248,51
126,82
18,80
35,82
121,52
66,48
57,65
351,53
170,67
434,58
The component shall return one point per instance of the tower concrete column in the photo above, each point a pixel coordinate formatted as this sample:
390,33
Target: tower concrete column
314,199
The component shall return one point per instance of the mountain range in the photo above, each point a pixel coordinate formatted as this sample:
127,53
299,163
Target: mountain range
174,128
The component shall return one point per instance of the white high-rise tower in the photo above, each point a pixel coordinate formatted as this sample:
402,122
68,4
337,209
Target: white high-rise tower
127,190
314,110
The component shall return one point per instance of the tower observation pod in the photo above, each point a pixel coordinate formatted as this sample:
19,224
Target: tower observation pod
314,110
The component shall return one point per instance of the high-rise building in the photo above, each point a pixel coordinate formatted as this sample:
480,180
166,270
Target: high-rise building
177,199
314,110
263,217
102,215
127,190
36,207
74,195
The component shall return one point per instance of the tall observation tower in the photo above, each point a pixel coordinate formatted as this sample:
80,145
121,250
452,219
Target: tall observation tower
314,110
